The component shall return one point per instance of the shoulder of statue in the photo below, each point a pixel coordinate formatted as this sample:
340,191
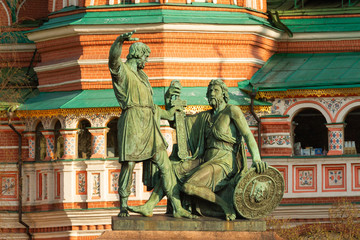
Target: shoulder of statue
234,110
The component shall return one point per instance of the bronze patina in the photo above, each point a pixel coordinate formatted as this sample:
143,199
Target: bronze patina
218,163
139,135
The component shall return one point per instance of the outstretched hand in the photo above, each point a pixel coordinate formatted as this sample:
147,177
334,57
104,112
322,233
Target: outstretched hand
175,88
127,36
260,166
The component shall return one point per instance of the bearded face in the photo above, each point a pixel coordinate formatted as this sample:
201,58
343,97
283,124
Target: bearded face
140,62
215,96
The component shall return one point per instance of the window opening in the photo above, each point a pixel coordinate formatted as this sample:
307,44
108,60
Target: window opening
40,143
112,141
59,141
352,132
310,133
84,139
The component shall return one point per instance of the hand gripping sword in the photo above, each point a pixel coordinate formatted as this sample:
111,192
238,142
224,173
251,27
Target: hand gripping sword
181,134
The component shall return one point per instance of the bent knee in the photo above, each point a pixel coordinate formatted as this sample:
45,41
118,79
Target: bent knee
188,188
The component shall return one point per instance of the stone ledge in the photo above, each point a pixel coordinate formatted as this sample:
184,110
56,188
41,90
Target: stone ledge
168,223
184,235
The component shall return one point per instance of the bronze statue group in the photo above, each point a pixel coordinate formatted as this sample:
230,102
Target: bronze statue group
215,139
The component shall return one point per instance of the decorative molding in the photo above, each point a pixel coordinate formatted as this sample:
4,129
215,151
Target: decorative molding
334,178
19,47
116,111
318,36
258,30
67,112
56,66
276,140
292,93
305,179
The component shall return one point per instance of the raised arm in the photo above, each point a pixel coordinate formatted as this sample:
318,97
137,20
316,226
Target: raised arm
240,122
116,48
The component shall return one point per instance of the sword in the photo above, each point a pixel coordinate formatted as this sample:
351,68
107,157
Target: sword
181,135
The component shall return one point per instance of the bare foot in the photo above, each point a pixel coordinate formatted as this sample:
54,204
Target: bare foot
143,210
123,213
185,214
230,214
230,217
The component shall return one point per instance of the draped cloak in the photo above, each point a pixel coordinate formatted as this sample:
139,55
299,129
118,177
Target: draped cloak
139,135
227,151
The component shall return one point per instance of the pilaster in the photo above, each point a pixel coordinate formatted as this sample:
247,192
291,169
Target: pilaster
275,136
30,136
50,144
70,143
336,138
98,142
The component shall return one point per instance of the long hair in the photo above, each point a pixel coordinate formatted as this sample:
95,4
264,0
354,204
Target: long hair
223,86
137,50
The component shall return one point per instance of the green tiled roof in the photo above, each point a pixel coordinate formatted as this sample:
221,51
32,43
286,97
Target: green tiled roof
336,24
14,37
106,98
153,16
308,71
296,4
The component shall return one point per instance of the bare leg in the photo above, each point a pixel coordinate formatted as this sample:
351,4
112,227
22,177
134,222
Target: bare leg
210,196
170,184
201,183
147,209
125,181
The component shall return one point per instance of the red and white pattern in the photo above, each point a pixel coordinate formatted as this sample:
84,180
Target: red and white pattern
304,178
334,178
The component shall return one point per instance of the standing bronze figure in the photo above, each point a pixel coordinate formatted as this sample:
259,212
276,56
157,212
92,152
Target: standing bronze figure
139,135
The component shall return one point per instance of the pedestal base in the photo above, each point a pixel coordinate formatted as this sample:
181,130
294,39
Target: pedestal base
191,235
167,227
169,223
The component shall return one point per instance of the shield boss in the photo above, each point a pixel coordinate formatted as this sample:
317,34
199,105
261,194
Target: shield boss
257,195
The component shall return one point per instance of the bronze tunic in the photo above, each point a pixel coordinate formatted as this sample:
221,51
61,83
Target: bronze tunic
139,134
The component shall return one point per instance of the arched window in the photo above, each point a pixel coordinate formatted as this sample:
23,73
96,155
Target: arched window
112,141
84,140
40,143
310,133
59,141
352,131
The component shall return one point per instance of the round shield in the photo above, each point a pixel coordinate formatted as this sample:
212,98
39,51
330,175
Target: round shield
257,195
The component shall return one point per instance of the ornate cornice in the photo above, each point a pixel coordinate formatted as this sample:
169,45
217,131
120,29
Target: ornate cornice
192,109
293,93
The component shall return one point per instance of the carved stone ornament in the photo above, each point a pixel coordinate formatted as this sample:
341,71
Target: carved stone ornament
257,195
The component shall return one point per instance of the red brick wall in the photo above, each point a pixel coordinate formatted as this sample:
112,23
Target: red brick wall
33,9
167,45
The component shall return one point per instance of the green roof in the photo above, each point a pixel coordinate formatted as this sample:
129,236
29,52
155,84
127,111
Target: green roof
308,71
328,24
154,16
322,4
106,98
14,37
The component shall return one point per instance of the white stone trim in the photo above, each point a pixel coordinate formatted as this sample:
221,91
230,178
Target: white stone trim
27,47
8,128
18,10
347,109
13,147
298,106
74,81
54,5
152,78
72,63
276,134
7,12
259,30
327,36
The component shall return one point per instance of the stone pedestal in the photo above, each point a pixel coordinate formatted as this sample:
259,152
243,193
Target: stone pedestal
167,227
